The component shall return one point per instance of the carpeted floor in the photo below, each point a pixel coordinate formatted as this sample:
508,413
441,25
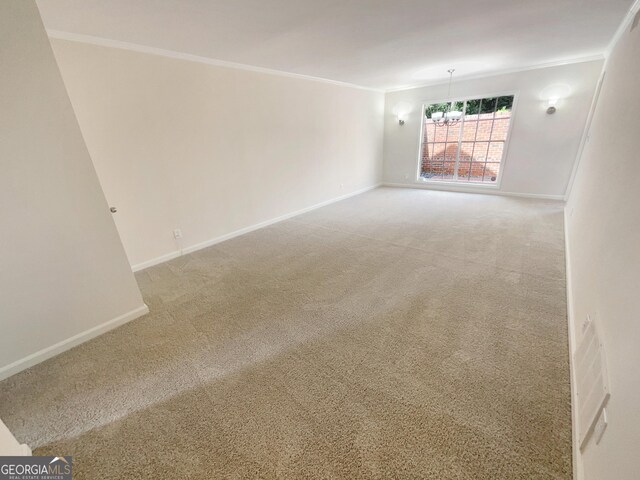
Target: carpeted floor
398,334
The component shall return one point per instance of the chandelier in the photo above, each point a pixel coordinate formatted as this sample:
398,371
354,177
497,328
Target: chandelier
448,117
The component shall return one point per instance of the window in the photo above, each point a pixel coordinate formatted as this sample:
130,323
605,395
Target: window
469,150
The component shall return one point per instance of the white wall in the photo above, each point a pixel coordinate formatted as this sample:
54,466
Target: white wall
603,223
211,150
542,148
9,446
63,270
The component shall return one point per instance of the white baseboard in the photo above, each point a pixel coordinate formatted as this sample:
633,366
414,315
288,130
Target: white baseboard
242,231
481,190
71,342
578,473
155,261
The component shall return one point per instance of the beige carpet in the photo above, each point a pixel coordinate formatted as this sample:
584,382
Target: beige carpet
398,334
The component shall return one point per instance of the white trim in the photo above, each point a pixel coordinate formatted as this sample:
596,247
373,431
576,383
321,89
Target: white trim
133,47
571,322
585,134
105,42
495,73
25,450
514,93
453,183
463,189
156,261
71,342
9,446
578,469
626,22
242,231
624,25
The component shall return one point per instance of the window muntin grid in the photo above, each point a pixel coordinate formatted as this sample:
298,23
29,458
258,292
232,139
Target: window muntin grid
472,150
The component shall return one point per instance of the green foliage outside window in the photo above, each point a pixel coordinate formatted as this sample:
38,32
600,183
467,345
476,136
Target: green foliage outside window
475,106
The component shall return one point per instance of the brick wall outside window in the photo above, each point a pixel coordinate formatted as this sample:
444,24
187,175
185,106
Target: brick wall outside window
481,149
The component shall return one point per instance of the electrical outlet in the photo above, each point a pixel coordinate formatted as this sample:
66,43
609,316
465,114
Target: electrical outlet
341,186
177,233
601,426
406,177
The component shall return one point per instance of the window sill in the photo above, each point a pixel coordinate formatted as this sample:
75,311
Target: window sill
492,186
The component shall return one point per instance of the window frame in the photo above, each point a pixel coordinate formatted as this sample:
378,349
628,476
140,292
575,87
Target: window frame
505,152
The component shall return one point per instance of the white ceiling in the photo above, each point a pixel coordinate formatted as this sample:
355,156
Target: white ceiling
375,43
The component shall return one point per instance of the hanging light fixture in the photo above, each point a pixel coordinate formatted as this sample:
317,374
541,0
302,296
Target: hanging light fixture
448,117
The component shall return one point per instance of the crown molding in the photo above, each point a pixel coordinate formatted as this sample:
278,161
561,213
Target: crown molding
626,21
105,42
494,73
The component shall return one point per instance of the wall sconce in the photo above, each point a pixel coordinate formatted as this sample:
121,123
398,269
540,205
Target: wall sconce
553,96
402,110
